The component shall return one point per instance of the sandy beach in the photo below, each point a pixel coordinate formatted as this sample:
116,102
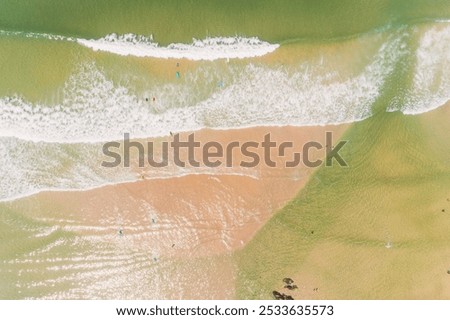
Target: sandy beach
78,79
192,217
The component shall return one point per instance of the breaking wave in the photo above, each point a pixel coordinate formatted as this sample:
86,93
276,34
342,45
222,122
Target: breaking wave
95,109
207,49
211,48
38,139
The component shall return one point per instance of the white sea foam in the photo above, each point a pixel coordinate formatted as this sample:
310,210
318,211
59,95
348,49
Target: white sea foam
207,49
211,48
430,87
35,35
95,109
57,147
29,168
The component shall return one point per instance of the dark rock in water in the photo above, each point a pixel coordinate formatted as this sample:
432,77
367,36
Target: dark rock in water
277,295
288,281
291,286
281,296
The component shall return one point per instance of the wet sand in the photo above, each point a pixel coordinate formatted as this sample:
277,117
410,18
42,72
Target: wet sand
176,222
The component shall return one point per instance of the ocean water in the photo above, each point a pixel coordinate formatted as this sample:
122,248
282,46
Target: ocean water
61,90
76,74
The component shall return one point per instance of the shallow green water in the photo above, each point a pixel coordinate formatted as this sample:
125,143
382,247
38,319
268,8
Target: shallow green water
180,20
377,229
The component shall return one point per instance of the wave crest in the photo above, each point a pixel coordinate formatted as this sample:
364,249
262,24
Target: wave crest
207,49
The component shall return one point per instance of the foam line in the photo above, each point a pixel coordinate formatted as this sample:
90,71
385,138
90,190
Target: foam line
207,49
211,48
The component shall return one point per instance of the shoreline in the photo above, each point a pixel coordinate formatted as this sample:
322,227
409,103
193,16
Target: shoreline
166,228
298,135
